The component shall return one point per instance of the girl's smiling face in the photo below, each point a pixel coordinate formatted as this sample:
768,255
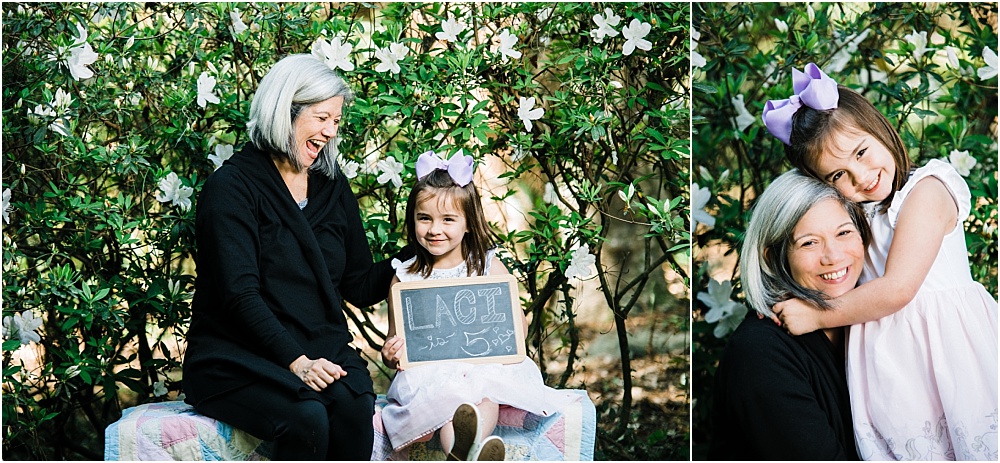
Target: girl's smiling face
826,252
316,126
440,228
858,165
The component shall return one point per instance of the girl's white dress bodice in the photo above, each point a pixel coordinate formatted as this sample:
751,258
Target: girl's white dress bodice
423,398
923,380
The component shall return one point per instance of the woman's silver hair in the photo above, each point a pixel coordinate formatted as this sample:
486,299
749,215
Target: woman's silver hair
764,270
293,84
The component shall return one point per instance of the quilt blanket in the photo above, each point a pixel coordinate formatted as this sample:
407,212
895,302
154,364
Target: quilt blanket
174,431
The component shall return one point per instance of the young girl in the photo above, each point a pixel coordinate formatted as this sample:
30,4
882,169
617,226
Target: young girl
445,217
922,346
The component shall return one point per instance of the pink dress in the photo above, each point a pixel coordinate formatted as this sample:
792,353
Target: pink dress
923,380
423,398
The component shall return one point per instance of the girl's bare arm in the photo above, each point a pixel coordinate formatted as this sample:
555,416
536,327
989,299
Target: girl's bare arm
928,214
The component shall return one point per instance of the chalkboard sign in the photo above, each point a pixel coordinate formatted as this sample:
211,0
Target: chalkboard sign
473,319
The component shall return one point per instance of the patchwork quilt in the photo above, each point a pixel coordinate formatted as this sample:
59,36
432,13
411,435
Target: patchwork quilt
174,431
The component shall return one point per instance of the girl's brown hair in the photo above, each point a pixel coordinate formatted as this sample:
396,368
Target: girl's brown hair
476,242
812,130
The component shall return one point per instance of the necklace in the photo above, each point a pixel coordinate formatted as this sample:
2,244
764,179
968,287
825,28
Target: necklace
871,210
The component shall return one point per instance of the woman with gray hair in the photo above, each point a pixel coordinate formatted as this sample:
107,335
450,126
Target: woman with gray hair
778,396
280,246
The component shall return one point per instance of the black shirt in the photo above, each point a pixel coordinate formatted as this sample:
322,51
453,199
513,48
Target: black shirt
271,277
781,397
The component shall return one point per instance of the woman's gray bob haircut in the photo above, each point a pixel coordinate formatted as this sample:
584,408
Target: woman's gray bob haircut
292,84
764,270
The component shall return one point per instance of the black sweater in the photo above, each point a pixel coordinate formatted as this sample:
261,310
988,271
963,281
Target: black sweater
271,278
779,397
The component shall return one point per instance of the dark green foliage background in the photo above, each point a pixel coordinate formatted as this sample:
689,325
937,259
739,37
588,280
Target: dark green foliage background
109,269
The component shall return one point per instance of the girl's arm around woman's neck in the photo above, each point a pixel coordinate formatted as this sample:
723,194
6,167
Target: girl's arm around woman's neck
925,218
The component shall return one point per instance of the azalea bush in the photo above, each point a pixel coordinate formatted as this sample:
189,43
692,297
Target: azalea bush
930,68
114,115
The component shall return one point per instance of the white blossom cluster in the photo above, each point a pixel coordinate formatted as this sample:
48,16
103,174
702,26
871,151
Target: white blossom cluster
724,311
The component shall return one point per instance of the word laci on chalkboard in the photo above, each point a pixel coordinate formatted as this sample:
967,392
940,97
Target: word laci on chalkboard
459,319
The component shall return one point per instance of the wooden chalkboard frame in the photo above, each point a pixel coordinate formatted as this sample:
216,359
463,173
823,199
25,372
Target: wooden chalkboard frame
515,314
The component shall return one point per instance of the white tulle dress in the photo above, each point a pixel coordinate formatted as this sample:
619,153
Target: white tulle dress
923,380
423,398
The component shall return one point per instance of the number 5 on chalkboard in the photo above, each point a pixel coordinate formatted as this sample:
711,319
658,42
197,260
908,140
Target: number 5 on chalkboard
459,319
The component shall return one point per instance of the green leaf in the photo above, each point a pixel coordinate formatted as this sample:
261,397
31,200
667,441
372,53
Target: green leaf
704,88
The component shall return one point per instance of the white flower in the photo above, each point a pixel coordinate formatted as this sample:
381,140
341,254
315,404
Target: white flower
847,49
723,310
781,25
79,58
697,60
962,161
743,117
615,84
699,199
391,170
159,389
990,70
206,84
506,46
60,126
704,173
36,116
581,264
919,41
238,25
811,13
450,29
61,101
6,205
605,25
544,14
334,54
389,57
171,190
526,113
626,197
952,54
22,326
222,152
550,196
634,35
350,169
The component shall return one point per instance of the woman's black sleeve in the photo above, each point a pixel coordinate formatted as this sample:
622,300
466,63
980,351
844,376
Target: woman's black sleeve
364,282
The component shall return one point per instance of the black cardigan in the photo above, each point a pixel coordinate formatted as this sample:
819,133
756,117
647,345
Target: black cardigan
779,397
271,278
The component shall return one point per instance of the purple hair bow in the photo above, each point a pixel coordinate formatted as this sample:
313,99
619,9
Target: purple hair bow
812,88
459,167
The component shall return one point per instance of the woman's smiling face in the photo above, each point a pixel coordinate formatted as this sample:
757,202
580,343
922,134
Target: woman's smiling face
316,126
826,252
